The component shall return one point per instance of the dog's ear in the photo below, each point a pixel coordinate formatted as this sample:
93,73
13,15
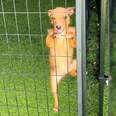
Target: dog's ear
70,10
72,42
50,12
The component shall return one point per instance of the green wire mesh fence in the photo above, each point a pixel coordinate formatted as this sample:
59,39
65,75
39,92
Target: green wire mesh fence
24,74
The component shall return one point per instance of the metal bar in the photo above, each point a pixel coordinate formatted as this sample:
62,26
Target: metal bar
5,12
16,22
26,99
16,98
6,98
81,55
104,52
21,34
101,93
102,36
28,22
5,24
106,42
101,71
36,96
109,38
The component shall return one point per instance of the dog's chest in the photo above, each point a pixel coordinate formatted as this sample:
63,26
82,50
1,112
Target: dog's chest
61,47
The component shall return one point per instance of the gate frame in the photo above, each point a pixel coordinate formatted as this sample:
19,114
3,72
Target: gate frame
105,51
81,56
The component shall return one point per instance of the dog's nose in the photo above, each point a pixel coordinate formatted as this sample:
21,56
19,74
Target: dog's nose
58,27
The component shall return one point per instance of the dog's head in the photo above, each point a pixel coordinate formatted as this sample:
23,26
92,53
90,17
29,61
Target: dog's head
60,18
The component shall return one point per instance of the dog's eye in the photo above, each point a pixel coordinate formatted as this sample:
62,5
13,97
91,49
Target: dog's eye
65,17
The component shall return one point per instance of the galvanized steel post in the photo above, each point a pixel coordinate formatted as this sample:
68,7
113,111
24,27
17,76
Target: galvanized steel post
81,55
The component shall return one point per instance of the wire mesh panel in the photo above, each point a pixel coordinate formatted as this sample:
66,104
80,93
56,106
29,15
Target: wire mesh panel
24,74
105,63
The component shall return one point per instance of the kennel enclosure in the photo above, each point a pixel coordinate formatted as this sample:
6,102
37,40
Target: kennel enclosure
24,74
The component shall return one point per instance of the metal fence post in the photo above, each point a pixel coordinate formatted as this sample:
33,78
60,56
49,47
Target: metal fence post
104,51
109,40
81,55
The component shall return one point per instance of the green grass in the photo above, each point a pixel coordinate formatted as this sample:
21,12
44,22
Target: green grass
92,83
24,68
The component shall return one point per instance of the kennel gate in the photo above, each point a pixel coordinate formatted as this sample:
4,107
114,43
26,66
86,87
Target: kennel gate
104,10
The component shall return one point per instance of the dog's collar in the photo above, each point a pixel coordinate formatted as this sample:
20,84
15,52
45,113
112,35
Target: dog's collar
68,35
59,36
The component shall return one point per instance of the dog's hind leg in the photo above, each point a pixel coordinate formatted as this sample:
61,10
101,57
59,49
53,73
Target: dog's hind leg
54,87
55,79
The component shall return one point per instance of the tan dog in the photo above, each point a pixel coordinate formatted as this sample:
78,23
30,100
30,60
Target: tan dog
61,42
